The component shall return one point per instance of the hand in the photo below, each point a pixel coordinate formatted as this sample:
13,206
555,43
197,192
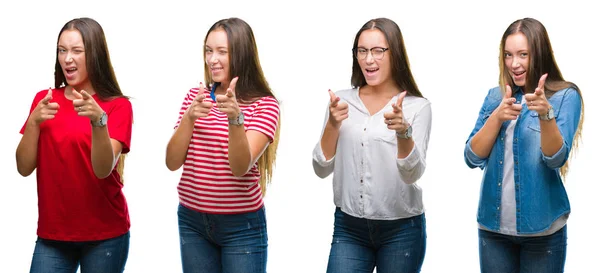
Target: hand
44,110
507,110
228,103
338,111
86,106
395,119
537,100
199,107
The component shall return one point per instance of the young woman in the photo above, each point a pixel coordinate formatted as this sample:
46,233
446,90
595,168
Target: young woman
523,136
225,139
374,142
75,137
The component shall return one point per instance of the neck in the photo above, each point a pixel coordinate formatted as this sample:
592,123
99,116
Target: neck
388,88
222,88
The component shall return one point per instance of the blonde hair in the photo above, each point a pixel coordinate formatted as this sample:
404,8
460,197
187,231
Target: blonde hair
121,166
266,162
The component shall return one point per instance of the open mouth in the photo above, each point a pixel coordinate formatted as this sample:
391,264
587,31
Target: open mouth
518,73
70,72
371,71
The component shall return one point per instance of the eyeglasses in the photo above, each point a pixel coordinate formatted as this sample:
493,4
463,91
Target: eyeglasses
376,52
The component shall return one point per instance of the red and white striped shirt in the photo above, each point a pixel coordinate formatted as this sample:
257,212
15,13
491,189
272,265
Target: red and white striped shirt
207,183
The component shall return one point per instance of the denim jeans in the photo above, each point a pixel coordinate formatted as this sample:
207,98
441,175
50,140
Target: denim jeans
508,254
105,256
223,243
360,245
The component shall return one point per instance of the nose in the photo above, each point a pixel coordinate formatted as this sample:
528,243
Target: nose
369,59
515,63
213,59
68,57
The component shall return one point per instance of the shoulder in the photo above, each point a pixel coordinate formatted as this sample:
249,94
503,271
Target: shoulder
495,93
264,104
569,91
493,98
346,93
59,92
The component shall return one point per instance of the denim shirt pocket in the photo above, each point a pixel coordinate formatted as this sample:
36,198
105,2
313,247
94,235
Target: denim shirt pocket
534,124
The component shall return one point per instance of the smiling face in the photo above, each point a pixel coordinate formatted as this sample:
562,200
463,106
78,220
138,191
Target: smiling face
217,55
71,56
376,71
516,58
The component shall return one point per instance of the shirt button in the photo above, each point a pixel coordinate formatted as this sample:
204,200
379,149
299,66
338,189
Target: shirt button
499,184
361,196
365,129
498,208
362,144
500,162
361,182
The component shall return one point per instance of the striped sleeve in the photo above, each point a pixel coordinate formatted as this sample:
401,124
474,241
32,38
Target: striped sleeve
266,117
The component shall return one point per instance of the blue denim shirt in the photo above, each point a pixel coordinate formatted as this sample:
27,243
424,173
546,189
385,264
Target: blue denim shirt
540,194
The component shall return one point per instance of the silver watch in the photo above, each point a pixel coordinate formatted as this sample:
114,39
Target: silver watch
549,115
407,134
239,120
101,122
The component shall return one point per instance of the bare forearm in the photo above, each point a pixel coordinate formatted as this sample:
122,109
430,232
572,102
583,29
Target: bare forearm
240,158
179,144
329,141
483,141
27,150
103,157
551,139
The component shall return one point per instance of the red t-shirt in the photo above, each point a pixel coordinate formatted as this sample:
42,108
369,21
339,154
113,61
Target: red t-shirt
73,204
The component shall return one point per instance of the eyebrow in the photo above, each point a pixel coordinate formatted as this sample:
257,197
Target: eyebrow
77,46
219,47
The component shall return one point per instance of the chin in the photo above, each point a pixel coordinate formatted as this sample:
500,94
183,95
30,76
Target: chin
373,82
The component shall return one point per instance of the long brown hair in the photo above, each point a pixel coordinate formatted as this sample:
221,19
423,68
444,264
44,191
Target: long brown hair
251,85
541,61
97,62
398,58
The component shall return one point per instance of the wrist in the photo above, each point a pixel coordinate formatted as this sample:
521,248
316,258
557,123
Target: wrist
333,124
33,123
405,134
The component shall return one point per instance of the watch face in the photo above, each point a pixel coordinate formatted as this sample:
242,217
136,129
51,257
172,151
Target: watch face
103,119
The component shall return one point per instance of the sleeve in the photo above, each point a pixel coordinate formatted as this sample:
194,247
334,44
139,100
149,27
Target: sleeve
120,122
472,159
412,167
187,101
567,121
39,96
321,166
265,118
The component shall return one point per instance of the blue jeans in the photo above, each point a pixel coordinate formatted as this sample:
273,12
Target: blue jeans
507,254
223,243
105,256
360,245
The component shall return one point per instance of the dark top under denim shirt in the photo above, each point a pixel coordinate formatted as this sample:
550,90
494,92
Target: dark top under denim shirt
539,191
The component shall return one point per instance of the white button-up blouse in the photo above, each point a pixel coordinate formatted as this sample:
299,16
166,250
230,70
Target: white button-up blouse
369,181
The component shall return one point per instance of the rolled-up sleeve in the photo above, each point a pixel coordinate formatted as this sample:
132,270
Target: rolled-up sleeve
567,120
412,167
321,165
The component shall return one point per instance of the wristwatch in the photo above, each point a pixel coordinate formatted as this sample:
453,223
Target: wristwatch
101,122
549,115
407,134
239,120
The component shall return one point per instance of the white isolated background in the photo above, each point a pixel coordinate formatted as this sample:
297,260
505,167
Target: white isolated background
305,49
